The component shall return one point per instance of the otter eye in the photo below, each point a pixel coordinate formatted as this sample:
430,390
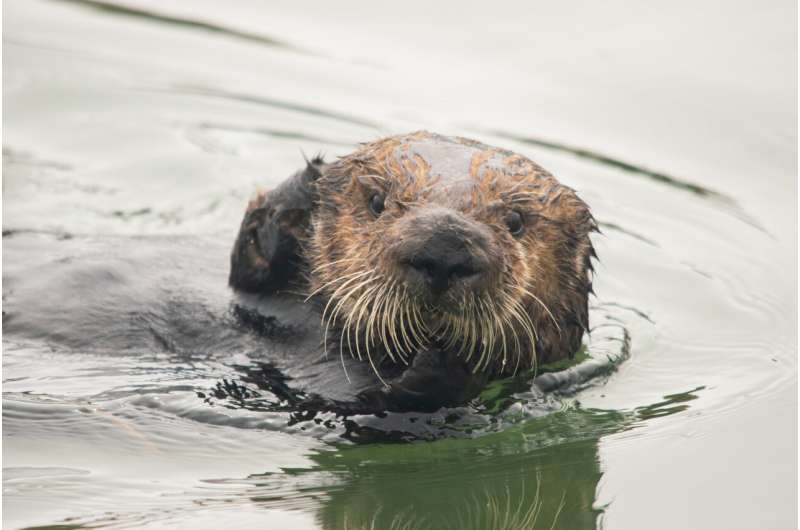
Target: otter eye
515,223
376,205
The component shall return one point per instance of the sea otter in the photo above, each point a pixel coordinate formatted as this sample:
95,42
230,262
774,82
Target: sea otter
439,261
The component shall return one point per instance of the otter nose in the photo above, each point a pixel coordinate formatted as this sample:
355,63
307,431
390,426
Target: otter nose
443,263
440,269
440,250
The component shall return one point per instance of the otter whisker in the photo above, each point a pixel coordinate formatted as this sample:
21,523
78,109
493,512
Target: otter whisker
503,337
393,318
407,341
346,294
396,315
489,338
527,317
415,324
325,311
346,332
481,320
459,329
336,262
545,308
415,320
408,330
335,293
377,309
497,329
361,305
332,282
374,307
338,307
460,334
514,311
514,335
375,369
423,326
346,328
491,328
402,315
528,323
473,317
344,369
441,327
452,330
351,313
334,298
530,330
465,329
379,313
387,317
455,325
488,335
502,320
475,327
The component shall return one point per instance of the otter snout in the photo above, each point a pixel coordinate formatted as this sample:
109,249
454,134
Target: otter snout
443,252
443,264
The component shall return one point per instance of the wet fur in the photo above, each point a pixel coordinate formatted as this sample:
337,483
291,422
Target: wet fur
315,234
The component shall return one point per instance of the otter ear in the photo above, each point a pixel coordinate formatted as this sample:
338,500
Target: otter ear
266,255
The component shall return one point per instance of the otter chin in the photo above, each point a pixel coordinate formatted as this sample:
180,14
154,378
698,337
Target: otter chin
424,250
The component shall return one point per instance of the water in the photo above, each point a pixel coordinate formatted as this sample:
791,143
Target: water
147,126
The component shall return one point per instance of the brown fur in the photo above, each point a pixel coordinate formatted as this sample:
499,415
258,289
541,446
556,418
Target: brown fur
544,273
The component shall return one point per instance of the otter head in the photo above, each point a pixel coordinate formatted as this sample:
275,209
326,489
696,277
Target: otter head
425,241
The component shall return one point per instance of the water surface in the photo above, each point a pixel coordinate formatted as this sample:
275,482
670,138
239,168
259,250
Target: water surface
138,123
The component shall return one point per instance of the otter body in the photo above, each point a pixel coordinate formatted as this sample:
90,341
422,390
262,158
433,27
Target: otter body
402,277
438,262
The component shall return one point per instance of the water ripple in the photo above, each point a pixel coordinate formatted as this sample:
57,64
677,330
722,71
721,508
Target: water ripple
160,18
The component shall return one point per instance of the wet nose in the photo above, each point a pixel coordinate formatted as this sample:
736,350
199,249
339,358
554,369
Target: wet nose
443,262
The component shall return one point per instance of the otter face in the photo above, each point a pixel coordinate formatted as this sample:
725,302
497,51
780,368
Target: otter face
424,241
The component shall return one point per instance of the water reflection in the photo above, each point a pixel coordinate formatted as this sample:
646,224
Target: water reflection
545,471
541,474
529,470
